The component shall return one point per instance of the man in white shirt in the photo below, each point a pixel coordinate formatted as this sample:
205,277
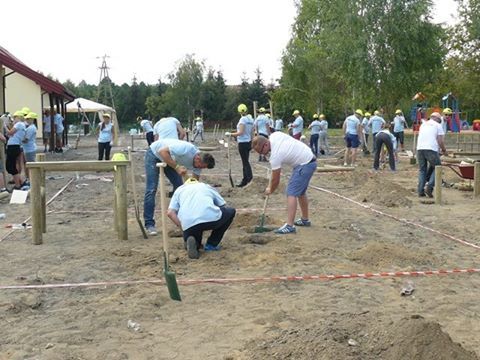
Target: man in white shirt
197,207
284,150
168,128
430,141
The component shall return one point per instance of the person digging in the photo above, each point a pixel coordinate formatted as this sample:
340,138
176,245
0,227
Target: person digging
285,150
196,207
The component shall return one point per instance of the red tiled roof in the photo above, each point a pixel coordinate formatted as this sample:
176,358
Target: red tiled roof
45,83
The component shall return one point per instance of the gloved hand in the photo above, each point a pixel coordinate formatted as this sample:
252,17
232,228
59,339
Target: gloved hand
228,133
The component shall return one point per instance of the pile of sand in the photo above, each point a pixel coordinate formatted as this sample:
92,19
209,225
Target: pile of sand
386,256
350,336
386,193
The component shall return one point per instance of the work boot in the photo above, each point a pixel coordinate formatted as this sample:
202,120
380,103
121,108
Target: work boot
192,249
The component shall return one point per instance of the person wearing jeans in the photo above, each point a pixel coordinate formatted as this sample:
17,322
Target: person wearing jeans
197,207
430,141
315,127
179,156
104,137
385,137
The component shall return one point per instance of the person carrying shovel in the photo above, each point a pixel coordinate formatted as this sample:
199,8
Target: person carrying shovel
197,207
285,150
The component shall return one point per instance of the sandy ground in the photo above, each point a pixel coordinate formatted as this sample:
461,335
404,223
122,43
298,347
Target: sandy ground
339,319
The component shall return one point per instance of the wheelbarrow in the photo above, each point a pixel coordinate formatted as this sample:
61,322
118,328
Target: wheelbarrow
465,171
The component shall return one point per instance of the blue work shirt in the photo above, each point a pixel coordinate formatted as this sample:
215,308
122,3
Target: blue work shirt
30,136
196,204
262,123
315,126
181,151
299,125
398,123
17,138
247,121
58,123
146,125
352,123
105,135
376,122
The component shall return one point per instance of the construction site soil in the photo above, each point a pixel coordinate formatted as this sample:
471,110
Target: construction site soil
342,318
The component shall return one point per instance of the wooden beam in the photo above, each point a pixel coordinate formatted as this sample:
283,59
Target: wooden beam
36,205
88,165
476,180
41,158
438,185
121,201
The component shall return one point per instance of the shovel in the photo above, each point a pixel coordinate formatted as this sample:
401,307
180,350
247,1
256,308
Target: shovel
170,277
261,228
134,190
227,145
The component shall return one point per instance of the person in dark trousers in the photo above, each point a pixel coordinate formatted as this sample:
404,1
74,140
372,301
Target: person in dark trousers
244,136
104,137
197,207
385,137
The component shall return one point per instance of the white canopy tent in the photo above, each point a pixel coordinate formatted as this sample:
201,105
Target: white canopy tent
88,106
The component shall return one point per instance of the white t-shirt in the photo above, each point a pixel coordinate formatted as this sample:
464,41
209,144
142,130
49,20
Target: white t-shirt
166,128
285,150
199,125
278,124
427,135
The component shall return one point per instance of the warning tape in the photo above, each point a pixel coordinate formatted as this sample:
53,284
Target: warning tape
186,282
405,221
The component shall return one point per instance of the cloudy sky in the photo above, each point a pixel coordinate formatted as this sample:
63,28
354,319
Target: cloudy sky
146,38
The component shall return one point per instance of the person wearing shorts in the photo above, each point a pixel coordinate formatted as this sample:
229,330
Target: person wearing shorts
285,150
351,129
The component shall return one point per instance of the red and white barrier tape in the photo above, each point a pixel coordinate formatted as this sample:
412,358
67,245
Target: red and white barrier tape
405,221
323,277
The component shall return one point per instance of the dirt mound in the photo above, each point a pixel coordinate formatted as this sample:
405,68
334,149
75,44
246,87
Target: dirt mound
253,219
378,191
383,256
361,337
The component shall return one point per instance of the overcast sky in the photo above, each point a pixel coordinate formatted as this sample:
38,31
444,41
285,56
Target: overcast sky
148,37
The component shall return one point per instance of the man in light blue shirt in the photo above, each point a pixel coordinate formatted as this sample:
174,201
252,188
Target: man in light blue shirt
278,125
376,123
196,207
58,120
297,125
262,127
168,128
179,156
351,129
315,127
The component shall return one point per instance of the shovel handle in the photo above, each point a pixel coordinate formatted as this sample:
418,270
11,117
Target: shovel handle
163,206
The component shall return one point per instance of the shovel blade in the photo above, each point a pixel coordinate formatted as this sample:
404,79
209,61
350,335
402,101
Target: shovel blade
171,280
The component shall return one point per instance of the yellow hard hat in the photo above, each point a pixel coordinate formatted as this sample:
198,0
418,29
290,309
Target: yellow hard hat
267,115
242,108
398,111
25,110
18,113
106,115
296,112
315,116
447,111
198,118
31,115
119,157
322,116
139,118
261,110
359,112
376,112
367,114
191,180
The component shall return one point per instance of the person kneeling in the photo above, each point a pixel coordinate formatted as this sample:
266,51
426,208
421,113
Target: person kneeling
196,207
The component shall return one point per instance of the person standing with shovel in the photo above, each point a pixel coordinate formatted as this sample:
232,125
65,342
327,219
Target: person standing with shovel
285,150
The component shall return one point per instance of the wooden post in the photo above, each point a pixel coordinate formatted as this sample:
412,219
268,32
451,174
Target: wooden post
120,179
41,158
476,179
438,184
254,110
36,204
131,137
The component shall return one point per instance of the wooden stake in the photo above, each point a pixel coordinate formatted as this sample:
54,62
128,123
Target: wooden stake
476,179
36,204
121,201
41,158
438,185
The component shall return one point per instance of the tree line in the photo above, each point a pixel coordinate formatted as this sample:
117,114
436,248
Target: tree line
342,55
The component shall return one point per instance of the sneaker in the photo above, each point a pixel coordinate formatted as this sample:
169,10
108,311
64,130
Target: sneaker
429,191
302,222
192,249
209,247
421,195
151,230
26,183
286,229
3,190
